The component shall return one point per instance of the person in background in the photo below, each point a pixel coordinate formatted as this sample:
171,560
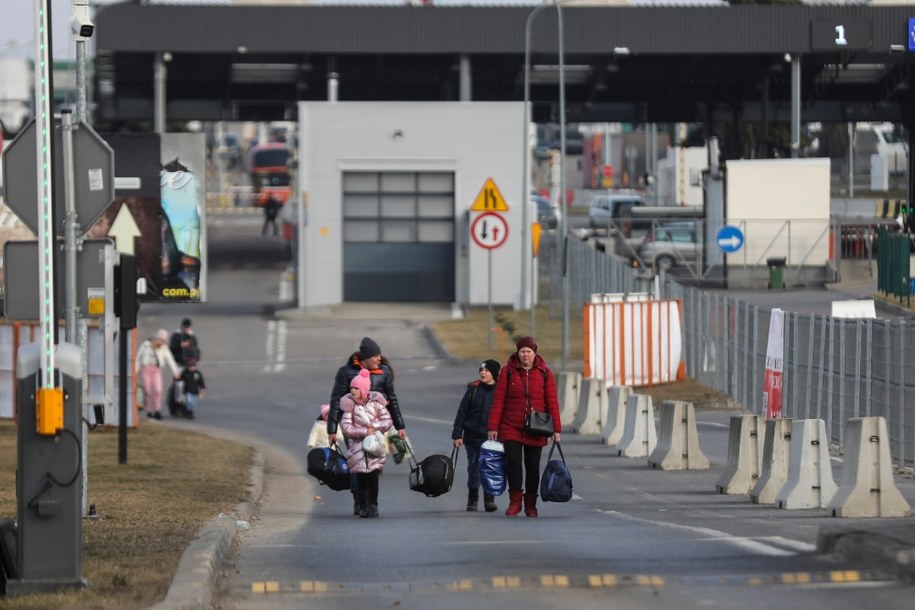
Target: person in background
367,357
469,429
364,413
271,210
526,383
194,386
183,343
151,356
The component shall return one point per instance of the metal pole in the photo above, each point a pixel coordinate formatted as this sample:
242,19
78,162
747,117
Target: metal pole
44,127
160,73
525,157
71,227
562,194
489,299
81,103
795,106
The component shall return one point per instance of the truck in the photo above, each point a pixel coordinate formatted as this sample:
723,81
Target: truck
268,166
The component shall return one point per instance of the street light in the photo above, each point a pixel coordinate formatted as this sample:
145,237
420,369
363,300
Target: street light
525,182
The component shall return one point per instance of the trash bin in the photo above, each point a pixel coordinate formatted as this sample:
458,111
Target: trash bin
776,273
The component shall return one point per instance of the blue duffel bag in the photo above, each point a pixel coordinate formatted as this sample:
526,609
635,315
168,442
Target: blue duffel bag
492,468
556,482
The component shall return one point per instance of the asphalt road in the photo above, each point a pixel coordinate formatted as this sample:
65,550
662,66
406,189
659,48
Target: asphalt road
632,537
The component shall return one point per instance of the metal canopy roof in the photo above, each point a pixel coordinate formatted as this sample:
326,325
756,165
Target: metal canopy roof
682,64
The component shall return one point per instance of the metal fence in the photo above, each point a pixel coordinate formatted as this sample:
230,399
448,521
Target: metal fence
834,368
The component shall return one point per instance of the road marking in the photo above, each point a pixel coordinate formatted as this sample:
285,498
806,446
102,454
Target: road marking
275,348
749,544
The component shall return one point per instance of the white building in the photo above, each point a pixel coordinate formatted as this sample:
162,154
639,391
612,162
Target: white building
386,190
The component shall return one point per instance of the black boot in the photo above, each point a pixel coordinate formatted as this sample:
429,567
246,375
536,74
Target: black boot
364,504
473,496
358,502
489,503
371,495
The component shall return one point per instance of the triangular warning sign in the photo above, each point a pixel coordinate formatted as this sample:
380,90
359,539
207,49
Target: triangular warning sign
489,199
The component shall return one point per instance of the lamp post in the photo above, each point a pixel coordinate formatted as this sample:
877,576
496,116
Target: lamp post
525,182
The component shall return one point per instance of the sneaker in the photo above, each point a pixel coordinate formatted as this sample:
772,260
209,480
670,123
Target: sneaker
189,415
149,414
158,415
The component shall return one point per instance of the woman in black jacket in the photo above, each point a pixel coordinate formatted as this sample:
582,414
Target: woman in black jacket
382,380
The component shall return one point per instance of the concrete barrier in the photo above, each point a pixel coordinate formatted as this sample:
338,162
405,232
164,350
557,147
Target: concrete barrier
639,435
615,420
810,483
868,488
591,400
744,455
774,473
678,444
567,388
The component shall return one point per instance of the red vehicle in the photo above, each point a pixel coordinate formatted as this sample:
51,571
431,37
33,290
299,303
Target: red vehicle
268,165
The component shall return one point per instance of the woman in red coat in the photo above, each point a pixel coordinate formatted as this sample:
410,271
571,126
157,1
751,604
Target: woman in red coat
525,383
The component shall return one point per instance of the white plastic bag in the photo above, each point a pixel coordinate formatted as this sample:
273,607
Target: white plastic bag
374,444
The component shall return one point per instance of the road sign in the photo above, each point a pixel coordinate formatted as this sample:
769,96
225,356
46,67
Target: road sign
729,238
489,199
21,277
489,230
93,177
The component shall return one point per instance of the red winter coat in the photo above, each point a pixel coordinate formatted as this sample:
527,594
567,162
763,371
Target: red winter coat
509,405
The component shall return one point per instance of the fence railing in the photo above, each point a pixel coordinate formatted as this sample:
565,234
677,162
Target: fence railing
834,368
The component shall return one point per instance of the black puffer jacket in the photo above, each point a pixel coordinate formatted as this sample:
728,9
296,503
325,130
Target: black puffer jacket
382,380
473,414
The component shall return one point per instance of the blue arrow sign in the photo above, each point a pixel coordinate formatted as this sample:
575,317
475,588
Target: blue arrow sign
729,238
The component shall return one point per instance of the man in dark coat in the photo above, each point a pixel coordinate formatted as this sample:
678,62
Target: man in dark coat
368,357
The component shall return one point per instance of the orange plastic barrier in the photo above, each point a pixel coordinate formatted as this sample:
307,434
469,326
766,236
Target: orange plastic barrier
632,340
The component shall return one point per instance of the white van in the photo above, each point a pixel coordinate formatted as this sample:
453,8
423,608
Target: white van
884,140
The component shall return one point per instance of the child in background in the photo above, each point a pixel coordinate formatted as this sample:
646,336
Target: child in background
194,386
364,413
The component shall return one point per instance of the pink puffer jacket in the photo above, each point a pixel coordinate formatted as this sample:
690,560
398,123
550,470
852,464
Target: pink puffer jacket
354,423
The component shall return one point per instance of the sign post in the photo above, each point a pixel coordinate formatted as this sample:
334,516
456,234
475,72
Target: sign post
489,230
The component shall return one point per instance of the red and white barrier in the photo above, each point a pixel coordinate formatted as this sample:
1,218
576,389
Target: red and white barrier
632,340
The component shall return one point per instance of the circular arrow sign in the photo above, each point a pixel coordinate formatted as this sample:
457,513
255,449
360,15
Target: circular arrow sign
729,238
489,230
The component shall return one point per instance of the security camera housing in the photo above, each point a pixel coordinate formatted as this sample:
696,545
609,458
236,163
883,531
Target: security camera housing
80,23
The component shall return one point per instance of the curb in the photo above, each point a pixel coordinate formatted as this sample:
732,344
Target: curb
195,577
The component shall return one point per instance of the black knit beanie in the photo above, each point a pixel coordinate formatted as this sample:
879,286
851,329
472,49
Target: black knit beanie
368,348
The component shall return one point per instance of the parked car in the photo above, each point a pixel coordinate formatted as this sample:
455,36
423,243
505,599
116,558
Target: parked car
605,210
547,215
672,244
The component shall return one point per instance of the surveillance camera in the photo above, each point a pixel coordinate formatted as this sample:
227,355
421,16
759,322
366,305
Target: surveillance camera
80,22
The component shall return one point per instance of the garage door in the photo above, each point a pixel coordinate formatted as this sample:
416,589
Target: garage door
398,236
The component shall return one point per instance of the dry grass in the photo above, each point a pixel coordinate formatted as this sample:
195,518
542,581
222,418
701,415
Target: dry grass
467,338
149,510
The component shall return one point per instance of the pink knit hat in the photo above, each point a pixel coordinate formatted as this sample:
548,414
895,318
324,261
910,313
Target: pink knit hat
362,381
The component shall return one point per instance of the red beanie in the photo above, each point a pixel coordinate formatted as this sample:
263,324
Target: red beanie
526,342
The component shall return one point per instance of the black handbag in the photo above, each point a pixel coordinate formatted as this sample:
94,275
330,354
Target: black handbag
538,423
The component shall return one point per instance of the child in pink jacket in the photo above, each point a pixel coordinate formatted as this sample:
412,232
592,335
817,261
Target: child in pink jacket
364,413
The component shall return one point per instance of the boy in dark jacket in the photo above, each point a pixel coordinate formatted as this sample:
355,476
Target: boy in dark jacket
194,386
470,429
